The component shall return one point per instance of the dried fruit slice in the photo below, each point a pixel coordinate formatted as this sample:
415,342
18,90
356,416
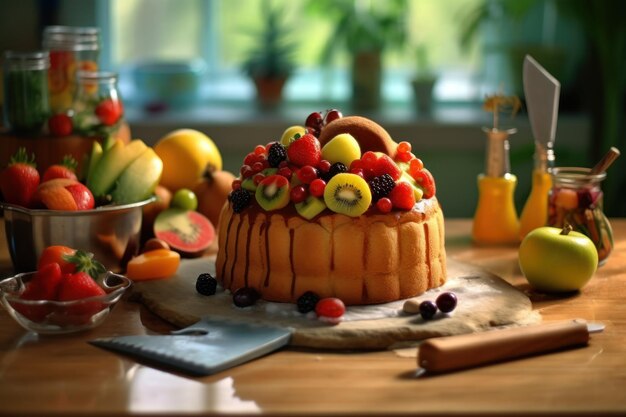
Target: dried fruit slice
187,232
273,192
348,194
310,207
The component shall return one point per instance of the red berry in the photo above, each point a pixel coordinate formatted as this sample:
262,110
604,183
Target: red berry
20,179
236,184
385,165
258,166
402,196
307,174
332,115
250,159
285,172
330,307
78,286
317,187
314,121
257,178
109,111
384,205
246,171
357,171
404,147
259,150
305,151
369,158
324,166
415,165
66,169
425,180
60,125
403,157
298,194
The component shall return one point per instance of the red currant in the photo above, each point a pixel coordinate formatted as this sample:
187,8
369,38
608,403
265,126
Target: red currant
298,194
236,184
324,165
330,307
403,157
250,159
404,147
257,166
317,187
259,150
246,171
415,165
307,174
384,205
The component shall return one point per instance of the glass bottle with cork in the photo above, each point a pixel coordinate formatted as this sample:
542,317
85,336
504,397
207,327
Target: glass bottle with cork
495,219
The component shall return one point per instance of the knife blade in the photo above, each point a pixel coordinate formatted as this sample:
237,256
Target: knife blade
204,348
542,101
444,354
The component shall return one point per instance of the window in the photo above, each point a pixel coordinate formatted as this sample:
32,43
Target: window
218,32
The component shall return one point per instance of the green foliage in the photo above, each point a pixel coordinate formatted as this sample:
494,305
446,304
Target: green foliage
272,56
362,26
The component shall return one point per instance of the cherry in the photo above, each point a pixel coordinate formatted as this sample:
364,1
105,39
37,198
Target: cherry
331,115
317,187
307,174
330,307
324,166
384,205
298,194
428,309
314,121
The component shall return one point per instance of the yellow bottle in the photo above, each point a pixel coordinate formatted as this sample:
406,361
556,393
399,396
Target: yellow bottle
535,211
495,220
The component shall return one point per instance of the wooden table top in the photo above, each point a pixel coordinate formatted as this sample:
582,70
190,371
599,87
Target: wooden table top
65,375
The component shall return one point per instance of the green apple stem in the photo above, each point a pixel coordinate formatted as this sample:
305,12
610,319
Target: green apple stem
566,229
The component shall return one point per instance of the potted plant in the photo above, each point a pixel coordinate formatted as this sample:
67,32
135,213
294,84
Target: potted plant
365,31
423,81
270,62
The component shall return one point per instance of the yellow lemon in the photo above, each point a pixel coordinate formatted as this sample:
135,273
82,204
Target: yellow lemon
185,154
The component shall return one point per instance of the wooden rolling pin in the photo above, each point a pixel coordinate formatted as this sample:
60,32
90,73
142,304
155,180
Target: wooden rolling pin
450,353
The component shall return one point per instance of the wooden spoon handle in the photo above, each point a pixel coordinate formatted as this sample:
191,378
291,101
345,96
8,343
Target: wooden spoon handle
606,161
457,352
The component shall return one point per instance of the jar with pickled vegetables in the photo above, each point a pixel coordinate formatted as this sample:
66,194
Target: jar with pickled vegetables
576,198
97,110
71,49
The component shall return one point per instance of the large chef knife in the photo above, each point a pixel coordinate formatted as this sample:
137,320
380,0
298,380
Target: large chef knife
204,348
541,91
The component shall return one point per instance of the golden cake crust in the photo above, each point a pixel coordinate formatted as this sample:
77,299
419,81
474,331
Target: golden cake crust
373,258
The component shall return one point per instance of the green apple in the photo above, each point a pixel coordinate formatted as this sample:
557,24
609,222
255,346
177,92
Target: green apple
557,260
342,148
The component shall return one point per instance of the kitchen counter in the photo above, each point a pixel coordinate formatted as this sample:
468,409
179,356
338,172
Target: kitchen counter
64,375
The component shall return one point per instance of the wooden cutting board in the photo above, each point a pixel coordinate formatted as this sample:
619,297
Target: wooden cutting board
484,301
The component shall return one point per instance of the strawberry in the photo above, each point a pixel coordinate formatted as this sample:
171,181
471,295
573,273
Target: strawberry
425,180
43,286
66,169
60,125
109,111
71,260
78,286
385,165
82,196
402,196
305,151
20,179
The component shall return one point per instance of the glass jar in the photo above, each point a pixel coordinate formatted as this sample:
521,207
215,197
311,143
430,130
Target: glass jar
25,91
97,109
71,49
576,198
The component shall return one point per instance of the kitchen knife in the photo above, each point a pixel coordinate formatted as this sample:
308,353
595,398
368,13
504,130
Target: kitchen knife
444,354
541,91
204,348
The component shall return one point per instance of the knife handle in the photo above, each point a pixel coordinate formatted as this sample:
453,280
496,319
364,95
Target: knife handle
463,351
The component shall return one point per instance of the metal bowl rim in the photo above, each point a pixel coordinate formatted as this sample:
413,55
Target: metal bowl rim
64,213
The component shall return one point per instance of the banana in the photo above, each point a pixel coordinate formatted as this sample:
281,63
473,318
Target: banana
111,165
139,179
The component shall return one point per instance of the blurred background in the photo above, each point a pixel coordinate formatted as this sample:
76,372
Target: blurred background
243,70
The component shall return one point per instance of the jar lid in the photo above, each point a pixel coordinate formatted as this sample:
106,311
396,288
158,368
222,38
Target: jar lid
69,38
576,175
33,60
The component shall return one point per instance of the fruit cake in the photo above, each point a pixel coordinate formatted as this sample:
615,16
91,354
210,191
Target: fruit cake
336,208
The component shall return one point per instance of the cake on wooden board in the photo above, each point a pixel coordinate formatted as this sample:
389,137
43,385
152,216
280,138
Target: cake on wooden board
356,218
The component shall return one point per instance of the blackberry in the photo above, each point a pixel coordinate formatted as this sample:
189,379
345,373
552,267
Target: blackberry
276,154
240,199
381,186
307,302
206,284
336,168
245,297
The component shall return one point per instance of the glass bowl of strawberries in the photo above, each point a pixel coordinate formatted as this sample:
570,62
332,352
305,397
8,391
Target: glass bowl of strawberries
69,292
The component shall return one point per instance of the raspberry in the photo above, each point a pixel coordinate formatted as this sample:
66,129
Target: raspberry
206,284
402,196
276,154
381,186
307,302
240,199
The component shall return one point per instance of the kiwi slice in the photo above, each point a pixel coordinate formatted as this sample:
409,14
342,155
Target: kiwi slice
273,192
310,207
248,183
348,194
